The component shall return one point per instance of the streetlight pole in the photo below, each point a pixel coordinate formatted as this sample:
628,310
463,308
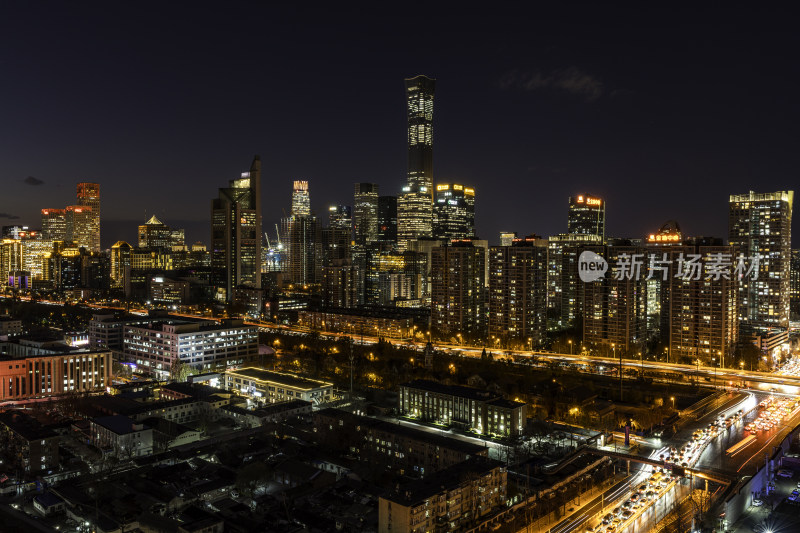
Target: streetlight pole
570,347
614,347
714,362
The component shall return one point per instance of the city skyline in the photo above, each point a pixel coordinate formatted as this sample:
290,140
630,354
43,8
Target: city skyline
551,117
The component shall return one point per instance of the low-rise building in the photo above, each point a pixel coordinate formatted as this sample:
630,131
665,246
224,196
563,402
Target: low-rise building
409,451
483,412
446,501
10,326
26,444
52,375
121,436
270,413
271,386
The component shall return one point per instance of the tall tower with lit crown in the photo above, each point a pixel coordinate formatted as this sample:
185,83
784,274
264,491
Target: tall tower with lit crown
415,205
236,231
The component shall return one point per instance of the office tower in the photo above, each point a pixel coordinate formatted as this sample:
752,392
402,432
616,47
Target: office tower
387,219
34,256
415,205
518,291
615,310
120,263
365,213
236,232
794,286
81,223
587,215
89,196
563,286
760,224
335,244
54,224
301,201
458,291
507,237
10,257
453,212
340,216
301,236
155,234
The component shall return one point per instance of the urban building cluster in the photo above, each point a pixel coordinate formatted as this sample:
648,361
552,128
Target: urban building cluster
412,266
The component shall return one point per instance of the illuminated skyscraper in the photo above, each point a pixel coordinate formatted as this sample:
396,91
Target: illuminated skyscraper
365,213
761,224
415,205
587,215
54,224
89,196
301,201
236,231
81,226
340,216
453,212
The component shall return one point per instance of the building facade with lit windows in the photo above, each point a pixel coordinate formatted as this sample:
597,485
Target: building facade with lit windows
761,224
587,215
365,213
794,286
301,200
270,387
54,224
518,291
155,346
387,220
482,412
615,306
88,195
564,296
453,211
415,204
458,289
236,232
451,500
39,376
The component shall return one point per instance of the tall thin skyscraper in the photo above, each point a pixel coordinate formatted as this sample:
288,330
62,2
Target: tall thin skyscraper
301,201
415,205
236,231
365,213
89,196
761,224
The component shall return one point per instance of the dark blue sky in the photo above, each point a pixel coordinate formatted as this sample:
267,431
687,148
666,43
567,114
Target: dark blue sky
663,112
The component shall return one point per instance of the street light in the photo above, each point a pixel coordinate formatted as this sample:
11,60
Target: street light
673,402
570,346
714,362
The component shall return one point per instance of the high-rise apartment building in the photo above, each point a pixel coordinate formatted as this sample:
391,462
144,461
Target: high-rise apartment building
301,235
507,237
236,232
365,213
453,212
615,306
760,224
587,215
394,278
89,196
415,205
563,286
301,200
458,289
387,219
518,291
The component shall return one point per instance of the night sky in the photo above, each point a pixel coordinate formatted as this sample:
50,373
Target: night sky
662,112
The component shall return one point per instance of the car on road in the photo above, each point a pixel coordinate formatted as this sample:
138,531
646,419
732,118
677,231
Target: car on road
608,518
785,473
757,502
